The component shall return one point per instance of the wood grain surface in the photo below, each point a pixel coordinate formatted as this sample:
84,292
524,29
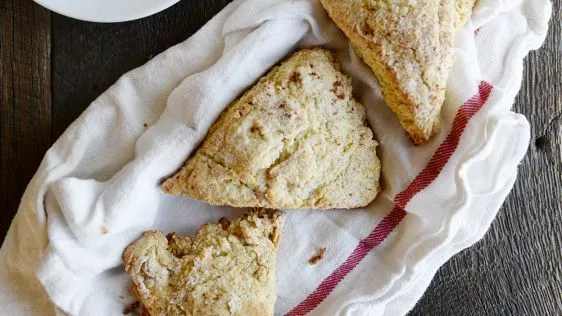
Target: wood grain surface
25,99
515,270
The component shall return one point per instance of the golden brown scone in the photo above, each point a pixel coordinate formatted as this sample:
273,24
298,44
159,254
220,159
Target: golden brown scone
227,269
297,139
409,45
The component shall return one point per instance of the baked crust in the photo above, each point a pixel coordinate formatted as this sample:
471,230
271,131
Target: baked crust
409,45
227,269
297,139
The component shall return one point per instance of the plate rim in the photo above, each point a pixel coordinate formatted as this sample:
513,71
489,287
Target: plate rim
124,17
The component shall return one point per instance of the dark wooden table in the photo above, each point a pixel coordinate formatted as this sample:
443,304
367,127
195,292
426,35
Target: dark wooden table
52,67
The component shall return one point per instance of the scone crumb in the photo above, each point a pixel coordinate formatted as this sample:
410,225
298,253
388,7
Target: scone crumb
318,256
131,308
225,223
104,230
296,77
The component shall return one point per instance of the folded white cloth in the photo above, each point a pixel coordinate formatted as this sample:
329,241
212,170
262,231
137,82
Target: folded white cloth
97,187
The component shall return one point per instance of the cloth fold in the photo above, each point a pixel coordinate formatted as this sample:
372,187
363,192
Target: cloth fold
97,187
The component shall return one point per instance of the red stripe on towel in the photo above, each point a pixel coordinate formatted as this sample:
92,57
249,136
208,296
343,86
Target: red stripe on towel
390,221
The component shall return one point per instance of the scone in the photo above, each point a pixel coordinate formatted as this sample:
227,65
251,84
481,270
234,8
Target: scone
297,139
227,269
409,45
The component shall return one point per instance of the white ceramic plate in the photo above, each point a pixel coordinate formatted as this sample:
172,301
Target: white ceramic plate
106,10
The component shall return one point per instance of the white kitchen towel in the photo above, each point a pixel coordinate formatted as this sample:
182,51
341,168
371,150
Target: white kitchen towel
97,187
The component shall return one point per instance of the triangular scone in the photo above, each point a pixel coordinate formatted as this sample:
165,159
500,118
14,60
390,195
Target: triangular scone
297,139
227,269
409,45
